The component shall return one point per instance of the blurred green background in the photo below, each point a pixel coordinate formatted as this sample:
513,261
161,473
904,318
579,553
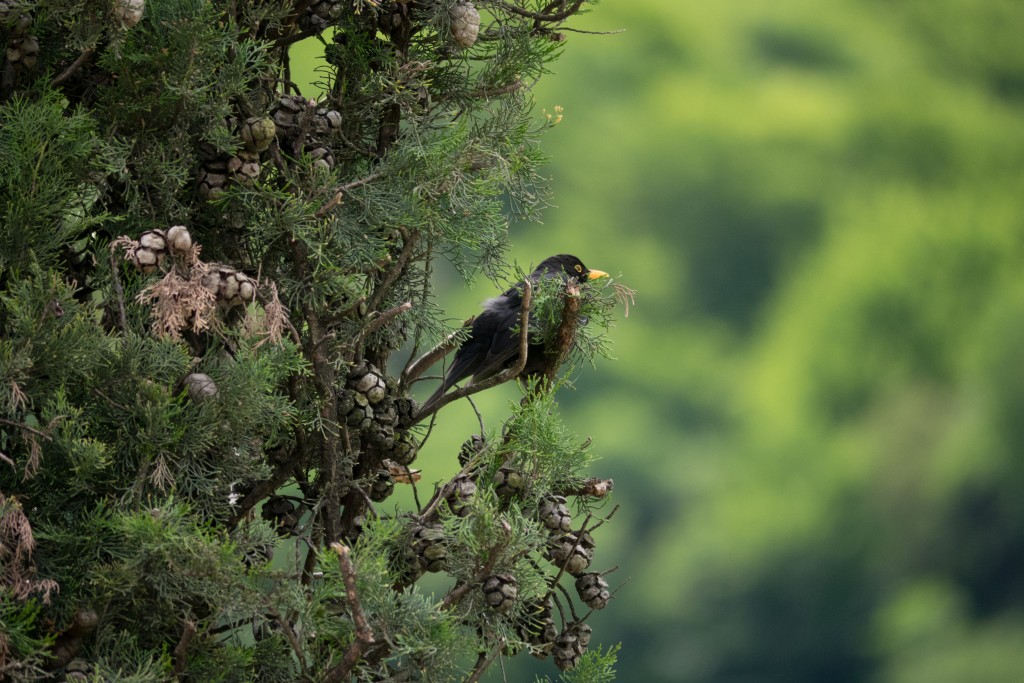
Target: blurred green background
816,419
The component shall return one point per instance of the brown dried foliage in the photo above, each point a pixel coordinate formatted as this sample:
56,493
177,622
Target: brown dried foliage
35,455
182,302
272,324
17,572
161,475
18,398
625,295
178,304
127,244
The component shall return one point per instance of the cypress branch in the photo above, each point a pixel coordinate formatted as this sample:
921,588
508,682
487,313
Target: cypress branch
221,396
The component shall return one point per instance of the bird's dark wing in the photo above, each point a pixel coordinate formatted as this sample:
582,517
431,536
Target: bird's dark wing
502,314
490,346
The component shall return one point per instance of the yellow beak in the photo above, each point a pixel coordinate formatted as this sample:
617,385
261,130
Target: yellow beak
594,274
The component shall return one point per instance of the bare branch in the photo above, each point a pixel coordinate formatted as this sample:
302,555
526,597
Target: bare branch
25,427
340,190
605,519
386,317
75,66
541,16
364,635
479,416
285,41
460,590
119,292
290,634
439,495
568,600
485,92
591,488
181,649
309,564
593,33
409,241
484,661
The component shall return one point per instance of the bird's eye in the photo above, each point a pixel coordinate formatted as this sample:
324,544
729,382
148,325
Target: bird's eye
579,268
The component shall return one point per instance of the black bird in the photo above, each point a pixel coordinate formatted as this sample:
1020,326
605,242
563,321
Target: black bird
493,344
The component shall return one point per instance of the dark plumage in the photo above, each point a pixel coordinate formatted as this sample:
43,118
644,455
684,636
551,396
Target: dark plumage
493,345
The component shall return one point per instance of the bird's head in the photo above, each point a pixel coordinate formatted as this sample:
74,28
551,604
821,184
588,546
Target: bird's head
570,265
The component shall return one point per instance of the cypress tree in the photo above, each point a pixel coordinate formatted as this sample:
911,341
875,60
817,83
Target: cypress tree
215,296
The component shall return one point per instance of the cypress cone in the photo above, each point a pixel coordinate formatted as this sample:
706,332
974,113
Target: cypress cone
554,514
593,590
509,482
570,645
282,513
465,24
573,550
257,133
537,627
500,592
471,448
383,486
319,15
129,12
463,490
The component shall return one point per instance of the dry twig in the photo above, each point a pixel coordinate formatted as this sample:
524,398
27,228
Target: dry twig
118,292
484,661
181,649
340,191
591,488
293,638
364,635
75,66
383,319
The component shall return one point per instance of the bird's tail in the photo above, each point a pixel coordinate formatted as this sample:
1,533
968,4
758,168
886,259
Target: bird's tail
434,398
462,367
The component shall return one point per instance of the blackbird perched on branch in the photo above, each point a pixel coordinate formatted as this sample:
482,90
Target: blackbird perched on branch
493,342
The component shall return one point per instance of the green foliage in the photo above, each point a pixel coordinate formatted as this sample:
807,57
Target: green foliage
426,639
22,652
594,667
45,208
162,565
204,273
596,313
119,657
543,446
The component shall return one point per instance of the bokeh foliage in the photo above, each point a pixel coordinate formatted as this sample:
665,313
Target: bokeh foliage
815,417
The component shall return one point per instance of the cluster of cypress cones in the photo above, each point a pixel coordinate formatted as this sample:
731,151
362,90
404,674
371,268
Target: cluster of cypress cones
230,287
295,123
378,419
569,550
